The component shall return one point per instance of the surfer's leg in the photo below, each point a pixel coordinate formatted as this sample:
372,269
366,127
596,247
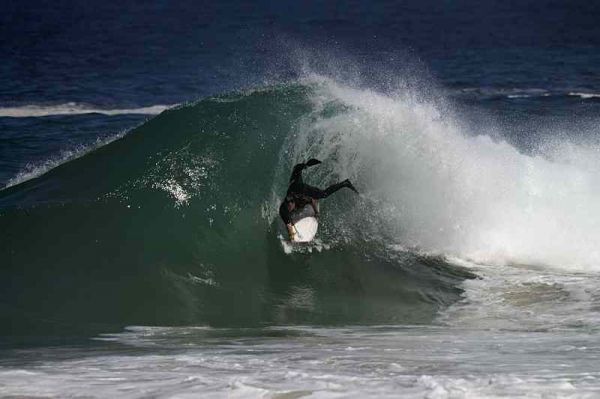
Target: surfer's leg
350,186
317,193
313,192
333,188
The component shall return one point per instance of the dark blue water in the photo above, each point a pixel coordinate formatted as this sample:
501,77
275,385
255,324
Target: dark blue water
512,59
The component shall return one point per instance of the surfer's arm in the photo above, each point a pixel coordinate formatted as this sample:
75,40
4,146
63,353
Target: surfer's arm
286,217
291,231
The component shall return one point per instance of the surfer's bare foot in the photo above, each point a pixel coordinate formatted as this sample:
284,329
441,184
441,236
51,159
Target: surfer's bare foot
350,185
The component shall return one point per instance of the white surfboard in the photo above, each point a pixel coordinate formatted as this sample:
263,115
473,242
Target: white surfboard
305,224
306,229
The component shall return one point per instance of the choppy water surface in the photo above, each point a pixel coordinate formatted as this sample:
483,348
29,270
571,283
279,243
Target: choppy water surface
314,362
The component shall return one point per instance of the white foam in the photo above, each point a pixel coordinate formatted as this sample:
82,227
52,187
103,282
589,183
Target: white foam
33,110
175,190
521,93
182,174
519,298
354,362
524,95
432,184
585,95
514,92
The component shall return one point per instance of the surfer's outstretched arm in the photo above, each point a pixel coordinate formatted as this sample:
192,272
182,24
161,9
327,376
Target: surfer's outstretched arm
298,168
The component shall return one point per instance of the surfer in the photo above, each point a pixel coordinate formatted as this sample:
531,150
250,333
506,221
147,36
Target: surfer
300,194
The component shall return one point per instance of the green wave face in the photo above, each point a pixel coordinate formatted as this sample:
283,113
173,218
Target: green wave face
176,224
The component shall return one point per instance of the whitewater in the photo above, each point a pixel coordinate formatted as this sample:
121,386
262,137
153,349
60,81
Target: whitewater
469,267
37,111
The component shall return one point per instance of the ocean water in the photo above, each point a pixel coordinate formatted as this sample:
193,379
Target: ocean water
145,146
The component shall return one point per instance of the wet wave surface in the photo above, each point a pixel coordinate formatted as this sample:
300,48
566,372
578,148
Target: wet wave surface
175,223
354,361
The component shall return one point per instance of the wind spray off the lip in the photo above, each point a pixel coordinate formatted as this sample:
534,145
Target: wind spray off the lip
440,187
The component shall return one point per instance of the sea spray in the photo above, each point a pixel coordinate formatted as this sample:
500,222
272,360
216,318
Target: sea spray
444,189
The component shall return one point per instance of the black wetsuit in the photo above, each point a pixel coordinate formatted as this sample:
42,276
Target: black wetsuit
302,194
